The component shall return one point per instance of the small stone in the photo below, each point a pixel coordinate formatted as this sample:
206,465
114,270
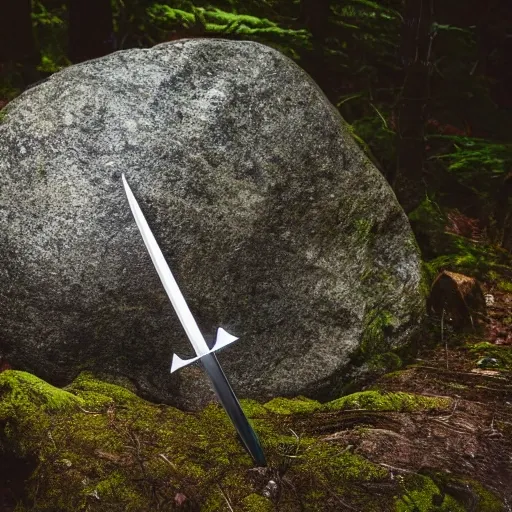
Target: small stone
179,499
489,299
271,489
488,362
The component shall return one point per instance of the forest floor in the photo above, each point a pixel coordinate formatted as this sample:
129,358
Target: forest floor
431,458
472,440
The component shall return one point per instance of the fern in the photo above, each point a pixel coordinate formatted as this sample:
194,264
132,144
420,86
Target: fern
477,163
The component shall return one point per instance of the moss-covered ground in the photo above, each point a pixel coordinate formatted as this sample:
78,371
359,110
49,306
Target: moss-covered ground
95,446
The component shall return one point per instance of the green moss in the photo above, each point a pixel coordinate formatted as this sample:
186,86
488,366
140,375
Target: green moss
214,502
96,446
253,408
505,286
88,386
381,401
8,91
334,473
422,495
3,116
475,259
386,362
25,391
292,405
374,331
117,488
487,501
428,222
363,228
426,280
447,251
457,386
41,171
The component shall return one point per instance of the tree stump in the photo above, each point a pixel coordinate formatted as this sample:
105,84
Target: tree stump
461,299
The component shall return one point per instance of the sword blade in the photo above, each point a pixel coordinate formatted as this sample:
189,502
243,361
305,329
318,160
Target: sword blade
171,286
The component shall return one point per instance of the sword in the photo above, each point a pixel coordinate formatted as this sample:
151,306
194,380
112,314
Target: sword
203,352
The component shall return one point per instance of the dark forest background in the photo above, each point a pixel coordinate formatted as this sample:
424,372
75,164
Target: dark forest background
425,85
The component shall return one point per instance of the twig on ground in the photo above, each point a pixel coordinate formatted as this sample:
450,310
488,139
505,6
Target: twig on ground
336,497
90,412
448,426
394,468
442,337
226,498
444,418
163,457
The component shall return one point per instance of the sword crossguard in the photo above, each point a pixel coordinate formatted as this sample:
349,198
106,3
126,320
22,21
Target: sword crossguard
223,338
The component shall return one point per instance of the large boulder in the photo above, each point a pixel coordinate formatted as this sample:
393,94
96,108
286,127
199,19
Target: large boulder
275,224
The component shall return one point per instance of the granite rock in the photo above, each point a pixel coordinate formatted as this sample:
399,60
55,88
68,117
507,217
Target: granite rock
275,224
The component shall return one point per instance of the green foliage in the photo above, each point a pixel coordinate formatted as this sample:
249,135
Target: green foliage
367,30
505,286
51,35
374,135
163,14
7,90
482,261
428,222
459,93
212,21
478,164
447,251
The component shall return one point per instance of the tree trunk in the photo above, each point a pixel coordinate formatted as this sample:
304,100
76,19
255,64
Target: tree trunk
314,15
17,45
91,32
459,297
412,104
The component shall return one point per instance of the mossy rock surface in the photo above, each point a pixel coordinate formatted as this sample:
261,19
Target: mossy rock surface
382,401
98,447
